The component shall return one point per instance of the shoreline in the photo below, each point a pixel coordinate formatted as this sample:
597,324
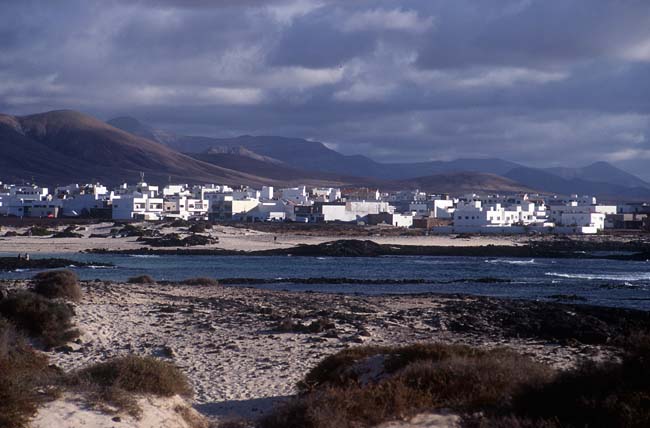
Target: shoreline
239,240
368,248
244,349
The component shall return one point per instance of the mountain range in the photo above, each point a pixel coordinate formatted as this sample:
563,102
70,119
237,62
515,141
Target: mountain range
67,146
600,178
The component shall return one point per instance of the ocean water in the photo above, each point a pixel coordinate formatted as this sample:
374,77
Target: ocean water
598,282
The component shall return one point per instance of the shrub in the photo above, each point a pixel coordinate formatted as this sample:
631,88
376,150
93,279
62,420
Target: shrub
22,373
595,394
117,381
201,281
491,389
58,284
141,279
410,380
48,320
335,370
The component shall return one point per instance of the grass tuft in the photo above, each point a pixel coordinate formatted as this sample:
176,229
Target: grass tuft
116,382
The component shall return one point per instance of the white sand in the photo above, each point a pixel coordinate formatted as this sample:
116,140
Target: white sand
69,411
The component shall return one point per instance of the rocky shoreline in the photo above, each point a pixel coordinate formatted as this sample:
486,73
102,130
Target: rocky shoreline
559,248
15,263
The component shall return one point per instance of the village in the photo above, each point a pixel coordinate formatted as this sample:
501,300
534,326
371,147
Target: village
469,213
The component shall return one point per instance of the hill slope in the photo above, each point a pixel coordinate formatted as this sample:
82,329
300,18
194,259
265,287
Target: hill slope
315,156
463,182
63,146
540,179
600,172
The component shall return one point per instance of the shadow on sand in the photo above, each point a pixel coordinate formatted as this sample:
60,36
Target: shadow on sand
244,409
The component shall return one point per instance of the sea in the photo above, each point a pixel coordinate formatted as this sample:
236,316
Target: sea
583,281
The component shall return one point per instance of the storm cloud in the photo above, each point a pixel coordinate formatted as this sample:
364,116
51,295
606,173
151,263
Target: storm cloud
535,81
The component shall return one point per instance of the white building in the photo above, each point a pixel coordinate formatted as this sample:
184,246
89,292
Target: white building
275,210
185,208
224,207
437,208
325,194
474,217
28,201
354,211
297,195
176,190
136,206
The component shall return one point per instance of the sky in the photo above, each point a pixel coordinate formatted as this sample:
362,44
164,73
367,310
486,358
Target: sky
543,82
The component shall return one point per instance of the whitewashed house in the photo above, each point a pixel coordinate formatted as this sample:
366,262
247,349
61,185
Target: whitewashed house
28,201
87,200
354,211
297,195
185,208
325,194
136,206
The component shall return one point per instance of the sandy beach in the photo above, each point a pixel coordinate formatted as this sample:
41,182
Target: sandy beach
234,344
230,238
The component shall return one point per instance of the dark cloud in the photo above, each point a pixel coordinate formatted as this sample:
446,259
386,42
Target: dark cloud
529,80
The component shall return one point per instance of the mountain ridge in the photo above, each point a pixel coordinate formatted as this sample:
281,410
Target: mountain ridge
66,145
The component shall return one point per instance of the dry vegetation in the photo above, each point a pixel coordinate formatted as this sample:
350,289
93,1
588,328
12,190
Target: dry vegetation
363,387
142,279
48,320
201,281
24,374
62,284
117,382
26,378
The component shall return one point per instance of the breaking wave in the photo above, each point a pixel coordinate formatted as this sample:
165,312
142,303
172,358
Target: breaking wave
512,262
627,277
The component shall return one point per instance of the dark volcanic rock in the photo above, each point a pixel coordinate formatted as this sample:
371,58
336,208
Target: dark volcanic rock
175,240
545,320
67,234
13,263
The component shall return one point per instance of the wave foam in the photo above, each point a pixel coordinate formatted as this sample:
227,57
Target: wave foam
627,277
512,262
